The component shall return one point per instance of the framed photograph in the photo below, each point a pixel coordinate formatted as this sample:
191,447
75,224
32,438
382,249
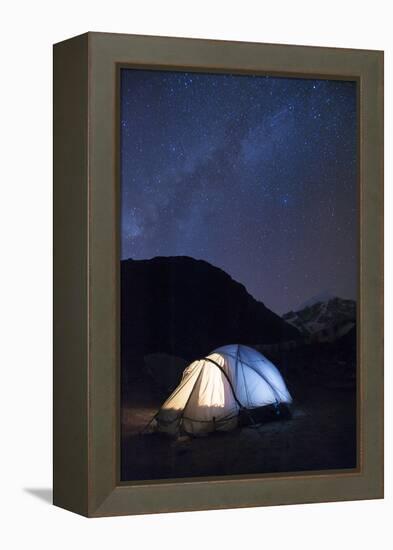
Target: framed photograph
218,274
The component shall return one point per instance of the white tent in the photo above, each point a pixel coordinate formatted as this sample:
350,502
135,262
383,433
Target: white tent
214,389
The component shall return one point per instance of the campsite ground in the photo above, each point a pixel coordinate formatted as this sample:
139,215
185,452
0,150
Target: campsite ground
320,435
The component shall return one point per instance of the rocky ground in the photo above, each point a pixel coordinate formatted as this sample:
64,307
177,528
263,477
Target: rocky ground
320,435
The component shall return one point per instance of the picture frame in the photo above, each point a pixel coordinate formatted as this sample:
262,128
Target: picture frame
86,387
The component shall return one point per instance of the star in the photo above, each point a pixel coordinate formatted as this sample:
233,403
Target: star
256,175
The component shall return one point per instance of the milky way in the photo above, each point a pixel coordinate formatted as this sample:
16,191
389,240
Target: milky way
257,175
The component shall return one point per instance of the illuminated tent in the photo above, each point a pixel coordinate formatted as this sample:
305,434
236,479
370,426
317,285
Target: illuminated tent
215,390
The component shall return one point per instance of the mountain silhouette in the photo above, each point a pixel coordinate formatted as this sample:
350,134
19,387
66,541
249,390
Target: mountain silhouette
186,307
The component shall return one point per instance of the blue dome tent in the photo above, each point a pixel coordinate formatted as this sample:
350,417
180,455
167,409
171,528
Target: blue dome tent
216,391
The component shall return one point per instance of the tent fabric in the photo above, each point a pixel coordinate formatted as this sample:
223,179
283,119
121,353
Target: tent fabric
215,388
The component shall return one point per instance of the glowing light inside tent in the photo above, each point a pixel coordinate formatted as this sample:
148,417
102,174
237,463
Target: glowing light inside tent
213,388
212,391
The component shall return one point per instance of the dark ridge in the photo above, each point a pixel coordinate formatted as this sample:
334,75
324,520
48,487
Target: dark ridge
187,307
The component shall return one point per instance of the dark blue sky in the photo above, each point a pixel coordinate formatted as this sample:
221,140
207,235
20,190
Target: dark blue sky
256,175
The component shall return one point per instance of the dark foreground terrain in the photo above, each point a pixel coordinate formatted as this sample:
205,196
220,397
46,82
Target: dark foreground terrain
159,337
320,435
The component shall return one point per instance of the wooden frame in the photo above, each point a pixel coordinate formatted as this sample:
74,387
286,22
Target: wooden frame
86,272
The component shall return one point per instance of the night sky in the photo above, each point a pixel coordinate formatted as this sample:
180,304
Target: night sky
256,175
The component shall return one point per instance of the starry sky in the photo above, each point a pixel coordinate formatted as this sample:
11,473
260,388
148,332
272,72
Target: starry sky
255,174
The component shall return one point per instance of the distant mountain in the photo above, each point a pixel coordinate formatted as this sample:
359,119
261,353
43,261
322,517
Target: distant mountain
323,296
186,308
324,320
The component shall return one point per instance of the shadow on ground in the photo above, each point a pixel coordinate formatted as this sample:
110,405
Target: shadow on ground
43,494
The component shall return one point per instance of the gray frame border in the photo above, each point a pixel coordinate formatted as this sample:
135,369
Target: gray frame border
103,495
